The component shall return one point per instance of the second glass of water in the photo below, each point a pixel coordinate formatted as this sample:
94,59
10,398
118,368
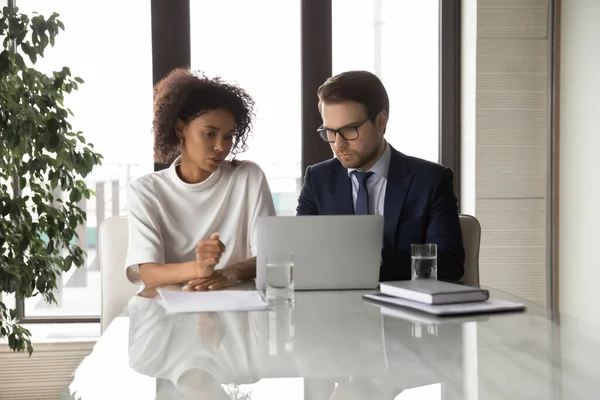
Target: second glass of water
423,261
280,276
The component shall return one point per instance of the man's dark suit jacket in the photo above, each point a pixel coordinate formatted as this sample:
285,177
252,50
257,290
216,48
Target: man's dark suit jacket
420,207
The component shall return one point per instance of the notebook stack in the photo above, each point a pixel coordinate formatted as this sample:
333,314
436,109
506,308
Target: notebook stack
440,298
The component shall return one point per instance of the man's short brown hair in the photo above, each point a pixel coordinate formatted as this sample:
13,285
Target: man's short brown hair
359,86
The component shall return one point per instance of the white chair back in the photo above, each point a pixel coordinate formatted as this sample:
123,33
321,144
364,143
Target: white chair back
112,250
471,233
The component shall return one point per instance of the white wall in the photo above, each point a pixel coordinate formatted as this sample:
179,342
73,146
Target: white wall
579,218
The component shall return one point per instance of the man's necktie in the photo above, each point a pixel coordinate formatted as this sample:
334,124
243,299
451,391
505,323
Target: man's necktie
362,198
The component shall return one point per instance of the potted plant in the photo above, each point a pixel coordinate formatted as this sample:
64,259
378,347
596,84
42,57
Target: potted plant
40,155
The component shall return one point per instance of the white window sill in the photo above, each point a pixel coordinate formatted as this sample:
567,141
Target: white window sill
61,332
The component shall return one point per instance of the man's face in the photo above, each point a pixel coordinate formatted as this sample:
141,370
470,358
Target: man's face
364,151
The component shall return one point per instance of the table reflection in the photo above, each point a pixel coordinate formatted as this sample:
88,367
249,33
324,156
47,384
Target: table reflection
338,347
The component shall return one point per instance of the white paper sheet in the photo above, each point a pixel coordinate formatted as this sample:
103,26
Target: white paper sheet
222,300
480,307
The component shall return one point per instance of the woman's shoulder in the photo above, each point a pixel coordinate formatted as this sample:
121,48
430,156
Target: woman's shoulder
245,169
147,183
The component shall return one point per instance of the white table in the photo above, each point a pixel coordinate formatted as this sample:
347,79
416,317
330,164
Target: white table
337,345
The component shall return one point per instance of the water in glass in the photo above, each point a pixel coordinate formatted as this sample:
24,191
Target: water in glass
423,261
424,267
280,278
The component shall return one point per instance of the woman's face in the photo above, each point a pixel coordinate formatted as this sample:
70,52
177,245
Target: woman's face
208,139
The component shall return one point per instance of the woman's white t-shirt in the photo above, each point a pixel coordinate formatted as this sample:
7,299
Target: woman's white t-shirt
168,217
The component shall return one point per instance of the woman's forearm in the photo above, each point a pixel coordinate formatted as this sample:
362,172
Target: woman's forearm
156,275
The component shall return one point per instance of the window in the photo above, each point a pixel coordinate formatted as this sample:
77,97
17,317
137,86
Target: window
398,41
259,45
113,108
259,50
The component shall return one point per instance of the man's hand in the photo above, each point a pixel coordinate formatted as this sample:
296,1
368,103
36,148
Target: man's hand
220,279
208,255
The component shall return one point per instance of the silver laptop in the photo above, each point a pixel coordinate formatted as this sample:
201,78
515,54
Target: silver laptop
330,251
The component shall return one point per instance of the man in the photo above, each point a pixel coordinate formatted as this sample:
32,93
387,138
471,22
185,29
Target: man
368,176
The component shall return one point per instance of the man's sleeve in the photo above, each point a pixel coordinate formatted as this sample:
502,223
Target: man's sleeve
444,229
306,201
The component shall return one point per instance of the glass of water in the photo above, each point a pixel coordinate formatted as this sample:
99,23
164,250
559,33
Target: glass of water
423,261
280,276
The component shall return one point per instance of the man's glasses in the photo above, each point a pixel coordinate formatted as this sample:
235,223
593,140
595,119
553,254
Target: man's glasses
347,132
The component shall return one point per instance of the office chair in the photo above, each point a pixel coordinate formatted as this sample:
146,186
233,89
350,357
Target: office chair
112,250
471,233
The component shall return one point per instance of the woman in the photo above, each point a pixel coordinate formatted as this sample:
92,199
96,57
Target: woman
195,222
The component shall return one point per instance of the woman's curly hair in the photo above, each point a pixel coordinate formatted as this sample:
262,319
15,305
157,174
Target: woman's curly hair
184,95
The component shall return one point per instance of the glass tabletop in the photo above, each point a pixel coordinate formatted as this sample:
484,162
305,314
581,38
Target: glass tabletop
336,345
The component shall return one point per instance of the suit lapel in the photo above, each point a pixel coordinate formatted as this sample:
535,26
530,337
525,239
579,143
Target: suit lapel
342,191
398,184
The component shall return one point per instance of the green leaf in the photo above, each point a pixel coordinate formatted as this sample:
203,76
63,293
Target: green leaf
43,40
75,195
20,37
53,126
12,342
54,141
68,263
4,63
19,61
30,51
